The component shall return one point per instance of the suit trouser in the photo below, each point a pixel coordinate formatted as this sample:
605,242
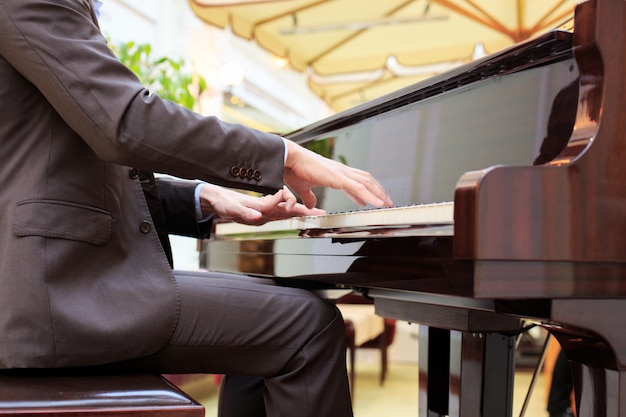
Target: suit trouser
241,396
233,325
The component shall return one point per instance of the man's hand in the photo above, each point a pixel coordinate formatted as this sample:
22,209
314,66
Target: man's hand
305,170
238,207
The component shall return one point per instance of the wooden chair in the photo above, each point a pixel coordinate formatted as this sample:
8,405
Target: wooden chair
139,395
381,340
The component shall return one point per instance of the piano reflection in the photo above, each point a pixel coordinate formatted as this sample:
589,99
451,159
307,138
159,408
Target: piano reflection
510,179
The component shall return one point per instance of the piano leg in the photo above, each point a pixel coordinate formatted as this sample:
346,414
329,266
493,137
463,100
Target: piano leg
434,369
591,332
599,392
499,374
465,374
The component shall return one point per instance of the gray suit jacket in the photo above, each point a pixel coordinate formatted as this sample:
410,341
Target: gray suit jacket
83,277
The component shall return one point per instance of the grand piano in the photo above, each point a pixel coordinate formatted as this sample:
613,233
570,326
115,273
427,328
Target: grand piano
509,176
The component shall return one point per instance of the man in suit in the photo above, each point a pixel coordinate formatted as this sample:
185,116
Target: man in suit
84,278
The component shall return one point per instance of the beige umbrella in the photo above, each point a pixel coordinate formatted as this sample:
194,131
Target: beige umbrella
356,50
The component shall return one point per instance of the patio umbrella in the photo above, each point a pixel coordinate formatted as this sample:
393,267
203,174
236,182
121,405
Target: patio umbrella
356,50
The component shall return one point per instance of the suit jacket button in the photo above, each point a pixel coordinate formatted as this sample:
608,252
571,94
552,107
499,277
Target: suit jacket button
145,227
133,173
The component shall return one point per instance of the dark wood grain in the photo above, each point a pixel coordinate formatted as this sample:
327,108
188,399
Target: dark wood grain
55,395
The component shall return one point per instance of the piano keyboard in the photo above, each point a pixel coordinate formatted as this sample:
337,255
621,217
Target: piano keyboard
423,215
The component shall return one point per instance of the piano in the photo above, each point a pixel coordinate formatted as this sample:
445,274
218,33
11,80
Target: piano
509,175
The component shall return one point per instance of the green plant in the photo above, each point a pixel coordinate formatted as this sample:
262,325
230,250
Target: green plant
164,76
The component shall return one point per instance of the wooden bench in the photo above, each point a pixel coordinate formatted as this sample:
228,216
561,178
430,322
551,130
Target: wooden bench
139,395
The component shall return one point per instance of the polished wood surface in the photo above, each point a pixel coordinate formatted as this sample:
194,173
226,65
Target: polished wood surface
137,395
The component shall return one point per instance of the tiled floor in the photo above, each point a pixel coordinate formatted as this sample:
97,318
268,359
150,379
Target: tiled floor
397,397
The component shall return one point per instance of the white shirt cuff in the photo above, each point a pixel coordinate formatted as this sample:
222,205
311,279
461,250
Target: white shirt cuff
286,149
196,195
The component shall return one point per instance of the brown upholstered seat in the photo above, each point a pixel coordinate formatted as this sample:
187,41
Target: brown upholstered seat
141,395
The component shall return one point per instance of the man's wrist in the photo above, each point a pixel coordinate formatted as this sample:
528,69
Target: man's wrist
200,217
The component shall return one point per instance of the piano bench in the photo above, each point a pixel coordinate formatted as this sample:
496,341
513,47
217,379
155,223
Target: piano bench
137,395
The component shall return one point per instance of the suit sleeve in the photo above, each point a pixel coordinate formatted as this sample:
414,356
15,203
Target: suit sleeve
178,202
68,60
